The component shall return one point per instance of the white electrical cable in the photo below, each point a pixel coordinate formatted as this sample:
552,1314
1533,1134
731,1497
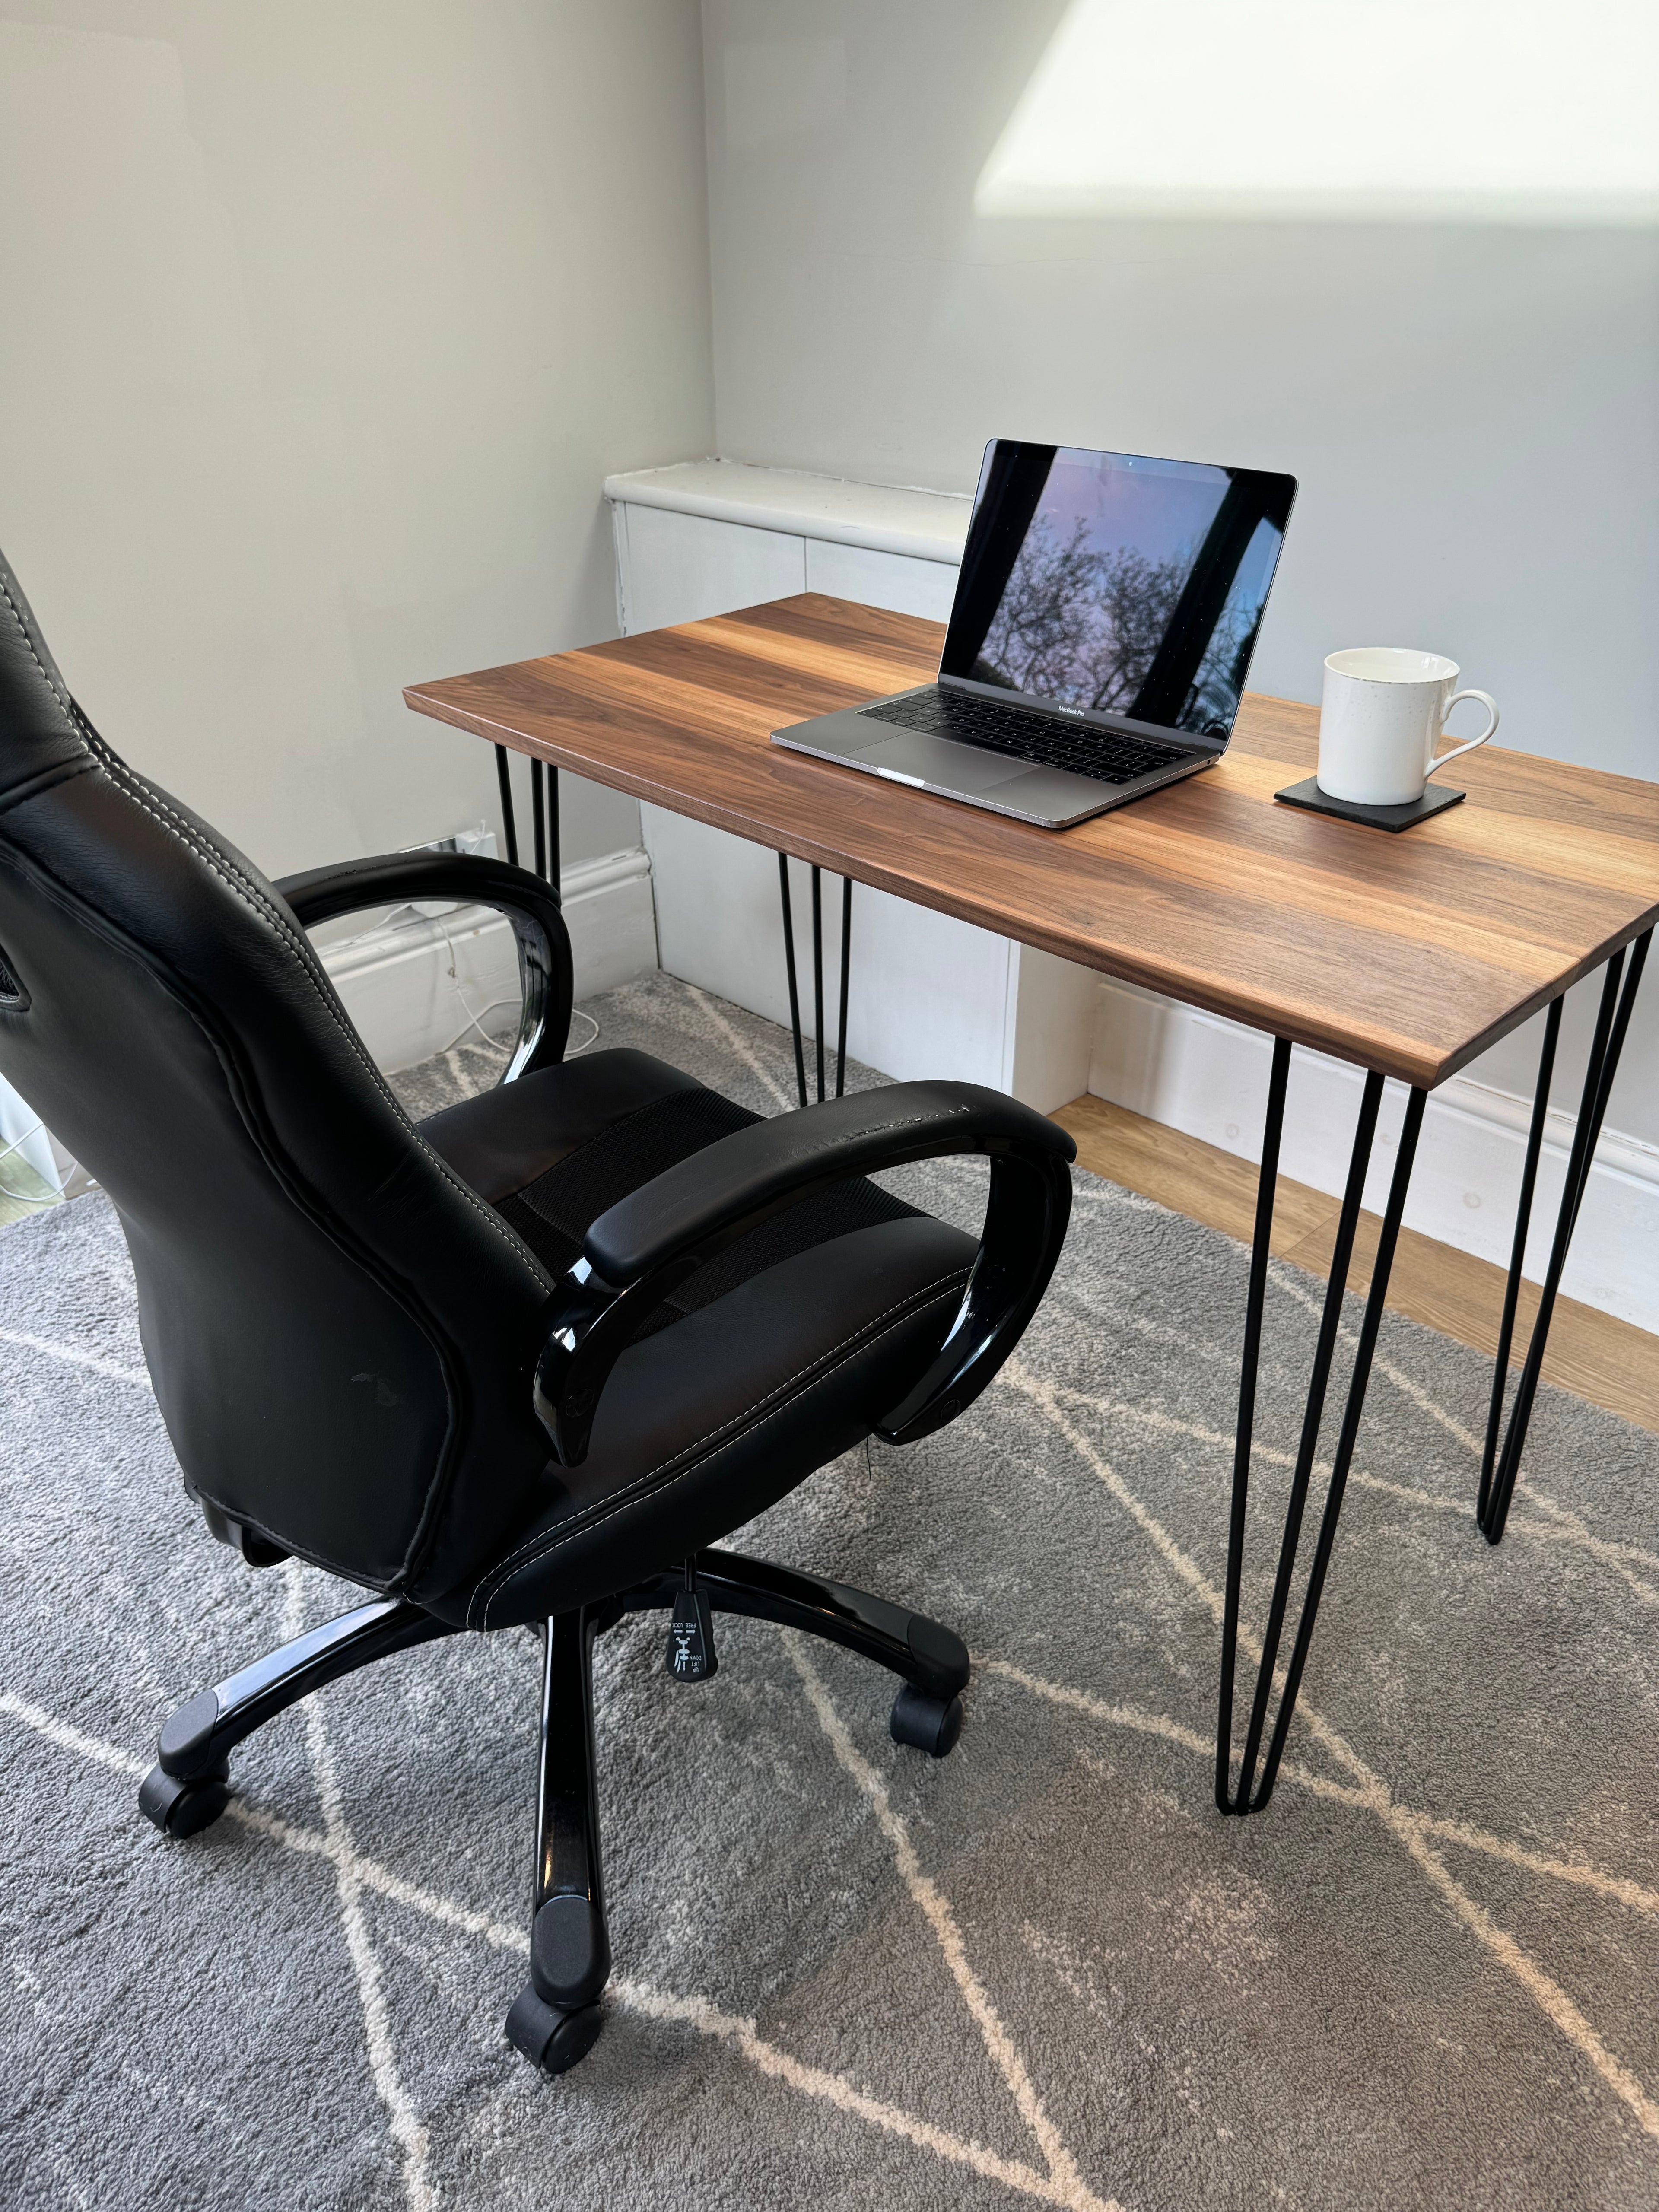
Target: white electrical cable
475,1021
30,1197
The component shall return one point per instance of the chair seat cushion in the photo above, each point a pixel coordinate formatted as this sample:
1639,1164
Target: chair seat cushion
776,1357
704,1424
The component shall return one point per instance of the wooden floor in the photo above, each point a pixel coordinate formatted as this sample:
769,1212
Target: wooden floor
1607,1361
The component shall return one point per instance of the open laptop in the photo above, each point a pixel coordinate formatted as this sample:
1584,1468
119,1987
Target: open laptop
1105,618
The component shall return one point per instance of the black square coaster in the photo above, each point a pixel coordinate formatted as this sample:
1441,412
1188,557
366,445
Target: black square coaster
1435,800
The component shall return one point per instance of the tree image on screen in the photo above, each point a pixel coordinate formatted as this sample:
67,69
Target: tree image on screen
1080,625
1083,627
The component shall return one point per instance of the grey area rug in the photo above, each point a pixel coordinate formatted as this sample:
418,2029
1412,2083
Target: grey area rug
1044,1969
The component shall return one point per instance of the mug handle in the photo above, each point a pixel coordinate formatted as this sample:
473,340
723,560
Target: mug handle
1491,706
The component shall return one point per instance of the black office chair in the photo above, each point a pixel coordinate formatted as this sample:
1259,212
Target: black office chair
364,1335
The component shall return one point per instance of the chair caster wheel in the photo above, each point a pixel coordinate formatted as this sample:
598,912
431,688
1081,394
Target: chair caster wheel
552,2040
931,1724
183,1808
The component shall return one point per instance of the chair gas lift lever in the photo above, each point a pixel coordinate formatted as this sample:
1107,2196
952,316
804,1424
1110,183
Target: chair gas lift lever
691,1656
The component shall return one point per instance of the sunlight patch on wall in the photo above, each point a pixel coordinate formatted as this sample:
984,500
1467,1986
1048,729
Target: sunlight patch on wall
1461,111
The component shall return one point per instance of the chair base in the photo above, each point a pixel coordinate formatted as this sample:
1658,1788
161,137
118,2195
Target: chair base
557,2015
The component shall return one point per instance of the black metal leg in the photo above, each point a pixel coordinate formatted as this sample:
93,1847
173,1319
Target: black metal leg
818,979
1376,1298
817,972
555,864
1255,1299
1250,1795
1541,1104
509,823
190,1784
539,818
557,2016
1612,1025
789,964
846,980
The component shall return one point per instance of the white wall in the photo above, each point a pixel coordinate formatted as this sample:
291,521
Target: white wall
1469,407
323,326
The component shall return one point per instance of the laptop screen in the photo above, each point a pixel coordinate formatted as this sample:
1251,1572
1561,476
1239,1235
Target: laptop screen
1117,584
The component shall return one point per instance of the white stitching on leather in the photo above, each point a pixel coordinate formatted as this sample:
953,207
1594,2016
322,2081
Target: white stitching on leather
62,699
503,1567
141,794
803,1378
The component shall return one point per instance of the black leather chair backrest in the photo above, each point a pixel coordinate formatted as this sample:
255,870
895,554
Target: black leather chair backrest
341,1334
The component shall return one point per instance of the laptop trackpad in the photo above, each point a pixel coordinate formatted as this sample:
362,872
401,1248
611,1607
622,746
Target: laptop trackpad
936,760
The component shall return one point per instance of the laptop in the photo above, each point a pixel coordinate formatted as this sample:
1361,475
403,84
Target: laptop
1105,614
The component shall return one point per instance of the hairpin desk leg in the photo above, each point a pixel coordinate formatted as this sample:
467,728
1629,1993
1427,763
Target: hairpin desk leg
539,818
789,966
554,850
1499,1469
817,972
1251,1794
846,978
555,864
818,979
1512,1288
509,824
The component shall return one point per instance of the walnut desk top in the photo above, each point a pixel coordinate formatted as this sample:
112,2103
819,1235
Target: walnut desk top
1406,953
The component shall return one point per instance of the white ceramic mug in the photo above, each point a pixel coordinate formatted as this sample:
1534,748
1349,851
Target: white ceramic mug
1383,712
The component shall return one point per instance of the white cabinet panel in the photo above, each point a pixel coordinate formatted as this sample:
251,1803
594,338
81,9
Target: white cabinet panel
894,581
719,924
929,994
683,567
1057,1005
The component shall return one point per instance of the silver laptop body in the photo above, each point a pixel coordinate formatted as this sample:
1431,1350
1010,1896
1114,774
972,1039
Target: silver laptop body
1105,614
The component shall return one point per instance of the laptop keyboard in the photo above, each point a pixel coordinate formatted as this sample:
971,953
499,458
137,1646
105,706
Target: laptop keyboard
1079,747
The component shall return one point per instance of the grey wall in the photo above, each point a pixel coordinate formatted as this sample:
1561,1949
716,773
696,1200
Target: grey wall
1470,409
322,326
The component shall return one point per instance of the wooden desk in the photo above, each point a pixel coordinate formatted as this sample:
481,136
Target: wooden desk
1407,954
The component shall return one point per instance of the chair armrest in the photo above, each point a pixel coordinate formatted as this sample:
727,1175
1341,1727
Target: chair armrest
640,1250
468,878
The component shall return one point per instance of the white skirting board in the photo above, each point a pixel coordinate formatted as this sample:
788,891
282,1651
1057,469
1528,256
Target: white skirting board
1197,1072
415,985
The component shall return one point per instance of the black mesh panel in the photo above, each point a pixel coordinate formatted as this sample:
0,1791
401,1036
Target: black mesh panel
553,1213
